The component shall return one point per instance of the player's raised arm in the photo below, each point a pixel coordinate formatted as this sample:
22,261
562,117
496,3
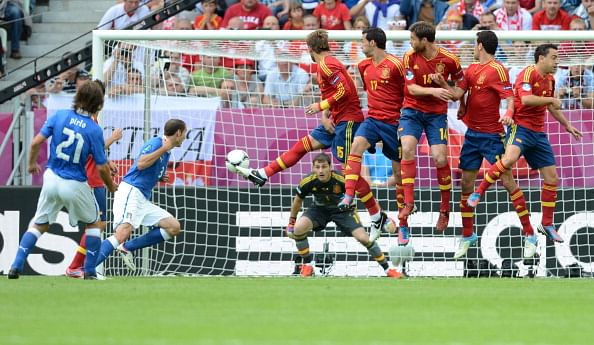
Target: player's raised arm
148,157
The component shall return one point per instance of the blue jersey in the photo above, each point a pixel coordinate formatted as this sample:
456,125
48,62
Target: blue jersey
75,137
146,179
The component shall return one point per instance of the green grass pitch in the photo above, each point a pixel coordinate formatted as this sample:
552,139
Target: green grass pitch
267,311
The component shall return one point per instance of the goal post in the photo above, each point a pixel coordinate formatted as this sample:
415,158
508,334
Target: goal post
216,81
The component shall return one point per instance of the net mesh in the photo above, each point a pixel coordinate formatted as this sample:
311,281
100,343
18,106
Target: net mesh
250,94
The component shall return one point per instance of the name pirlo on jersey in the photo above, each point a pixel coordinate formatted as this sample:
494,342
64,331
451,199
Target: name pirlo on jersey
326,194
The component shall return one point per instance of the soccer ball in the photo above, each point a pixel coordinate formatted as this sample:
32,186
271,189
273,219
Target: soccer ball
237,158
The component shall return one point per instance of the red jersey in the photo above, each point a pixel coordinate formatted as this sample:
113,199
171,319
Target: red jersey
486,85
332,19
530,82
252,20
93,178
384,84
339,93
540,21
417,70
215,21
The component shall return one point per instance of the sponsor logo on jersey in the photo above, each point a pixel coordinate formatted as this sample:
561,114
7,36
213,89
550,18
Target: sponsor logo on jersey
409,75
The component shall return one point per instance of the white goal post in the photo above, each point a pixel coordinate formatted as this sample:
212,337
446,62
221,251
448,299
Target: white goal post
230,227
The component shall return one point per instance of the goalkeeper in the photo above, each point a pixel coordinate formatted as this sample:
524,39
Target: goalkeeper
327,187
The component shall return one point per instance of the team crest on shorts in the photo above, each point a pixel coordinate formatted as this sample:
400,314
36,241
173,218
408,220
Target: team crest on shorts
440,67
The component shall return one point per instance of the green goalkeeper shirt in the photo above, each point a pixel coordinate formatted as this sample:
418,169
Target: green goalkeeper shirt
326,194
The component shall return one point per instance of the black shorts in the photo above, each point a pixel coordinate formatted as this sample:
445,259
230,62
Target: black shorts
346,221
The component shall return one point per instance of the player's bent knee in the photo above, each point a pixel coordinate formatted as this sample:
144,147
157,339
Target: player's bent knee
171,225
360,144
123,231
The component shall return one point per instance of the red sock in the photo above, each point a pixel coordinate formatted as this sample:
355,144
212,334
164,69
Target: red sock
352,171
366,197
491,176
467,213
81,252
519,203
408,170
400,203
548,197
444,178
289,158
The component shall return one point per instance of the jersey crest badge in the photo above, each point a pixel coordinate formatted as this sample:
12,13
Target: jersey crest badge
337,189
440,67
385,73
481,78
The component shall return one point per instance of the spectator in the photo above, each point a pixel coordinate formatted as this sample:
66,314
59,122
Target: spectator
279,9
284,86
398,48
134,84
116,68
295,21
487,21
378,12
333,15
453,21
570,6
174,86
471,7
575,86
352,49
208,20
123,15
430,11
213,80
517,54
251,12
81,77
532,6
173,65
551,18
12,11
247,84
311,22
586,11
64,82
309,5
512,17
271,23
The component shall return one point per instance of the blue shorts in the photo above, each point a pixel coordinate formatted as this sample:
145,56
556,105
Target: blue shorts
340,141
478,145
101,197
375,130
535,146
414,122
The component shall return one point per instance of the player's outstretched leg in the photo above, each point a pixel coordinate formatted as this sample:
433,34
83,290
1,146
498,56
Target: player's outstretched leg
444,178
166,230
284,161
93,243
379,219
548,199
490,178
27,243
469,237
376,253
352,174
408,170
403,229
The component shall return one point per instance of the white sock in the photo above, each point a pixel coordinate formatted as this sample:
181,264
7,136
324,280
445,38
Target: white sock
165,235
263,173
114,242
376,217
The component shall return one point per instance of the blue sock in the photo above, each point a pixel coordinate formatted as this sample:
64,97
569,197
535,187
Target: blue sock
156,235
27,243
107,247
93,242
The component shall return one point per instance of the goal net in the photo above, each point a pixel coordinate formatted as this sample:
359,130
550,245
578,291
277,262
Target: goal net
247,90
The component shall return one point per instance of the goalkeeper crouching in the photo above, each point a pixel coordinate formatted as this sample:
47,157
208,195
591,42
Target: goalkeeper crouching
327,188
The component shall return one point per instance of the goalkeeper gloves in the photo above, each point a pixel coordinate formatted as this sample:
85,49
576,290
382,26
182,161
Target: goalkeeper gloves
291,228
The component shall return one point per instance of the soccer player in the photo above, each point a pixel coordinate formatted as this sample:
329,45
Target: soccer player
75,269
132,206
533,96
75,136
486,83
425,109
383,79
327,188
341,116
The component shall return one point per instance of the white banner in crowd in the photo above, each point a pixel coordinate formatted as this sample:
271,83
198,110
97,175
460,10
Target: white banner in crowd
127,113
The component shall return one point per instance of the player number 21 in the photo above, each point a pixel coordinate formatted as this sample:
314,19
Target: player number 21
72,136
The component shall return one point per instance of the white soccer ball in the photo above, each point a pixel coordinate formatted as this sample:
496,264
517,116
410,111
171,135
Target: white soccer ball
237,158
